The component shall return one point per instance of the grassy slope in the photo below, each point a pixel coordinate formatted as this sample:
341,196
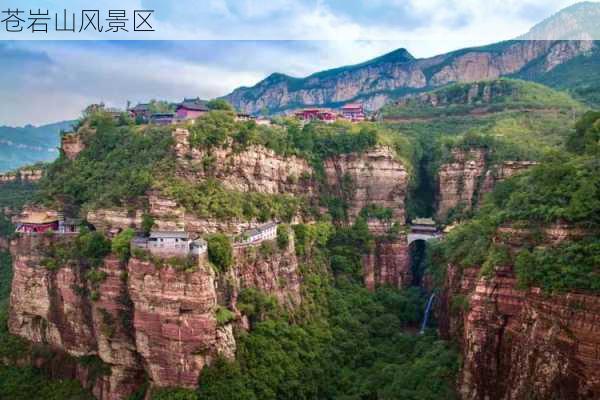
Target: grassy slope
526,114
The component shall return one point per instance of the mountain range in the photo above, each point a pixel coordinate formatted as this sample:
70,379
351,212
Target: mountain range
29,144
563,64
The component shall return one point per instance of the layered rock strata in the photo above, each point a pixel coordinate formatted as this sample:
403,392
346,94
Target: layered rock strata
373,177
140,320
522,344
462,182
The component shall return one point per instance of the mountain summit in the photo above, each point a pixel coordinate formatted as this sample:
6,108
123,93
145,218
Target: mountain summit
576,22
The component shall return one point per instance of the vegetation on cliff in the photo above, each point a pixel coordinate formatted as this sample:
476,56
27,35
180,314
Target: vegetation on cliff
315,141
118,165
481,97
564,189
209,199
344,342
509,120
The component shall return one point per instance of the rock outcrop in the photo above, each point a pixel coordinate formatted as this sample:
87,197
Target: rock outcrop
522,344
458,181
114,219
373,177
374,81
388,264
72,144
462,182
176,332
139,320
254,169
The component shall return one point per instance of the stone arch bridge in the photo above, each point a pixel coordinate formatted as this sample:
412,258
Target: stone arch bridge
423,229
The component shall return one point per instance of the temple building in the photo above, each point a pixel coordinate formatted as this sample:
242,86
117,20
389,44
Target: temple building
171,243
191,109
38,222
257,235
353,112
141,112
162,118
316,114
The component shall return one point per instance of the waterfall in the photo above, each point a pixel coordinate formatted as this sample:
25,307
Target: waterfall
427,311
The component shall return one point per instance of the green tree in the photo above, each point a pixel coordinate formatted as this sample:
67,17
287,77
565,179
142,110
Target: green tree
224,380
121,244
147,223
174,394
586,137
213,129
219,104
220,251
92,247
283,236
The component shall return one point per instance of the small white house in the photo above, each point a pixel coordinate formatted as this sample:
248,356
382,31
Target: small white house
263,232
176,243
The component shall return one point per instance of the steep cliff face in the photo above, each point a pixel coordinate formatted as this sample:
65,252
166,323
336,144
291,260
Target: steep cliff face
176,331
522,344
462,182
115,218
255,169
141,320
54,308
373,82
388,264
372,177
275,273
458,181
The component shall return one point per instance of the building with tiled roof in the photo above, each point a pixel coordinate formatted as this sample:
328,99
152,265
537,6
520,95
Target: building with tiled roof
191,109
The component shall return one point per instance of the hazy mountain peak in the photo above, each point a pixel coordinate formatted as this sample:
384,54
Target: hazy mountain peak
576,22
276,77
398,55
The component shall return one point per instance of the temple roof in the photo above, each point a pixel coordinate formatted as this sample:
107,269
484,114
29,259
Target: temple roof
169,234
423,221
193,104
37,217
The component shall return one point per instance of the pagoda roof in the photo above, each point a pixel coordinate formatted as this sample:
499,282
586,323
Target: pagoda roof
38,218
423,221
193,104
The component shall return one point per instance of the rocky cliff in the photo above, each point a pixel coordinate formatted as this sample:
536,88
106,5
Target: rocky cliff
388,264
462,182
522,344
140,320
254,169
373,177
375,81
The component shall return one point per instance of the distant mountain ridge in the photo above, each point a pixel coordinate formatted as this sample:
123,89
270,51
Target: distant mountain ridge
29,144
395,74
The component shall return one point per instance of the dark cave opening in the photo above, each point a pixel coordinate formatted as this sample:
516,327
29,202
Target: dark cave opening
418,258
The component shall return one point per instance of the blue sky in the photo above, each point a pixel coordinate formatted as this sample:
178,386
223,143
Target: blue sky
235,43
